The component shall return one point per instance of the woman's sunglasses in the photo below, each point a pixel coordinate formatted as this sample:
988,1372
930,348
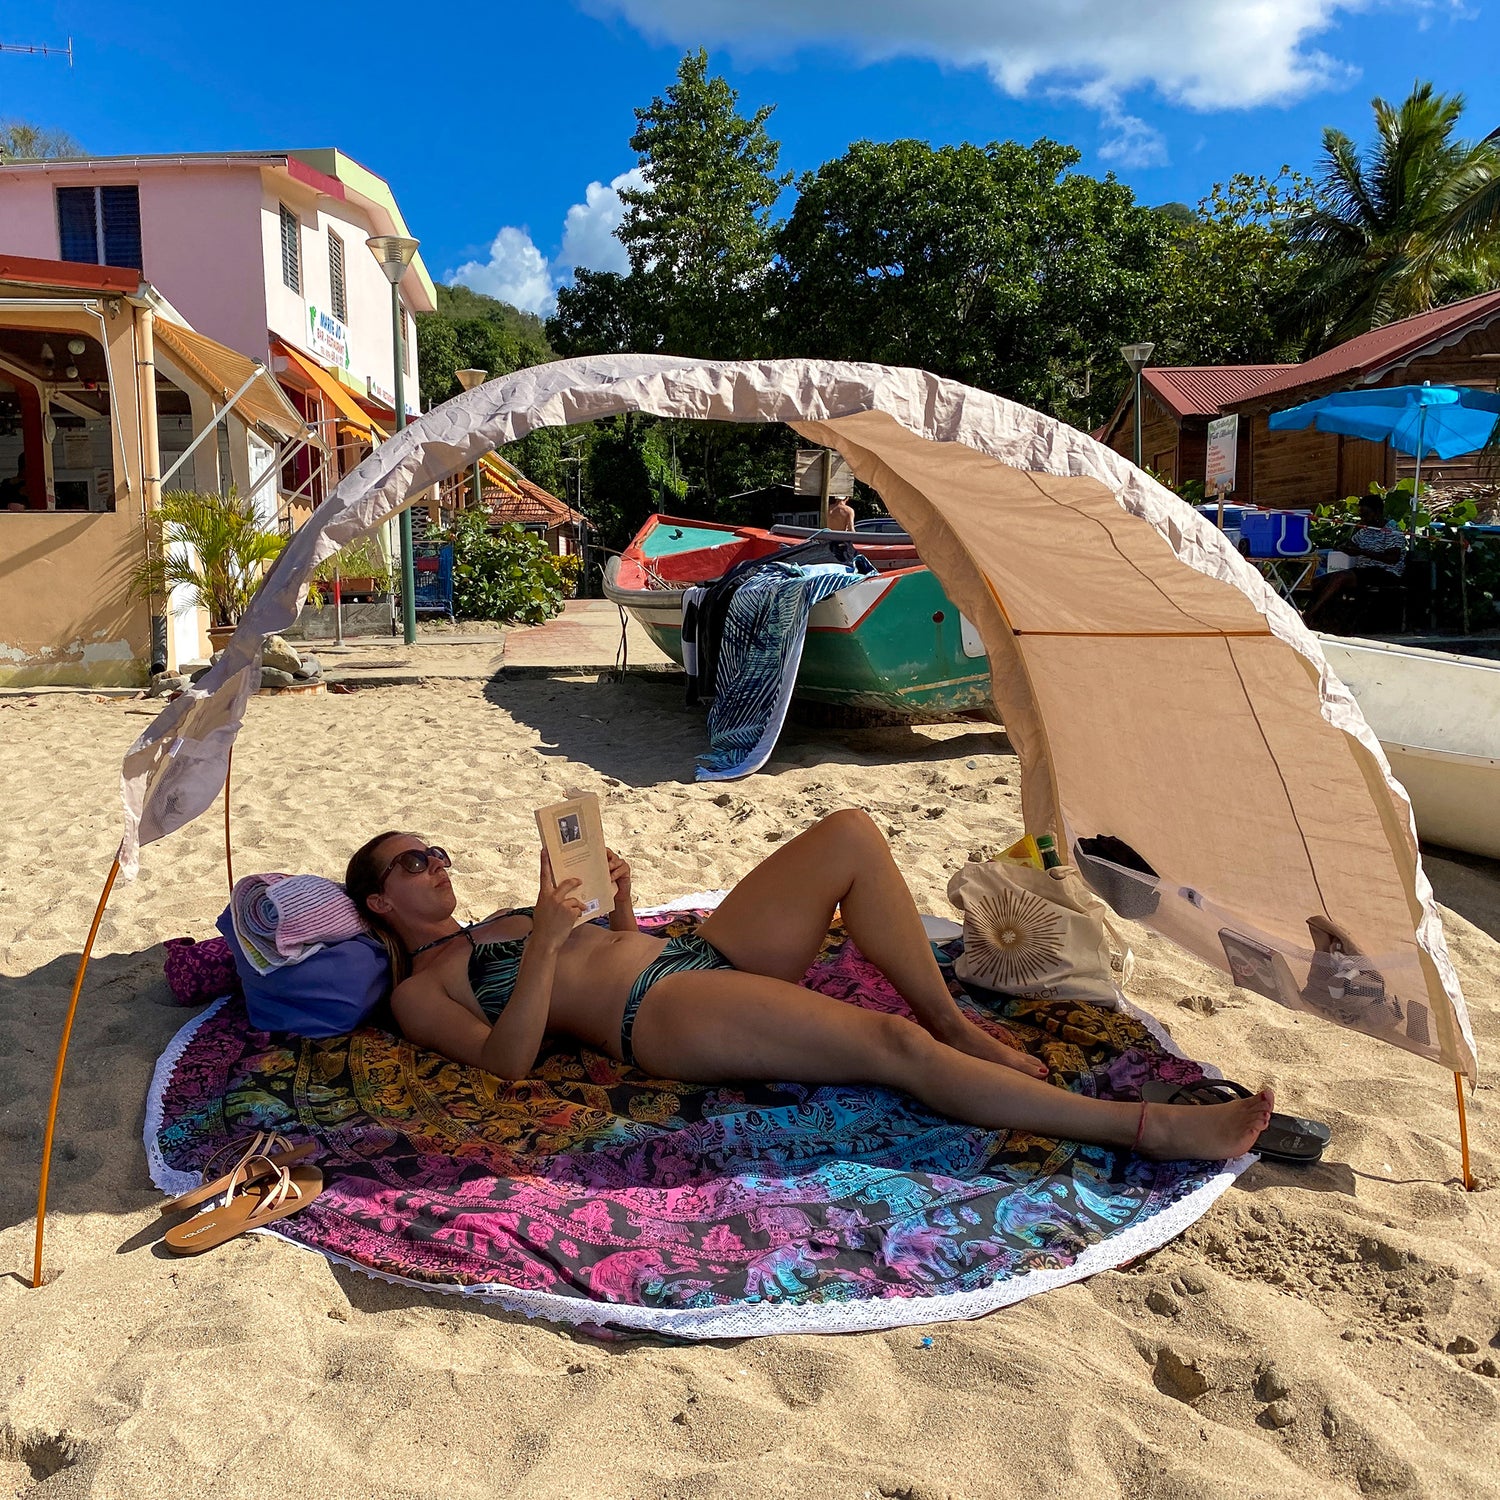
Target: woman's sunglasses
418,861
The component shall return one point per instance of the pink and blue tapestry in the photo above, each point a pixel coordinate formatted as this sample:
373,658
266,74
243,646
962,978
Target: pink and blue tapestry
594,1195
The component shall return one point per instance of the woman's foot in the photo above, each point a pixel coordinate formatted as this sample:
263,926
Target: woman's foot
1204,1132
965,1036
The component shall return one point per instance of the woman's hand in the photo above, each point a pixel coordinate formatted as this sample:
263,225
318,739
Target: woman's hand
557,909
622,918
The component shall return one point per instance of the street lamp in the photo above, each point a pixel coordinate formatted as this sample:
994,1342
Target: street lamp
395,253
1136,355
469,379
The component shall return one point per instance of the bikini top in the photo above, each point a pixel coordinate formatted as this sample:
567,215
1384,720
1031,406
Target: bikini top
493,968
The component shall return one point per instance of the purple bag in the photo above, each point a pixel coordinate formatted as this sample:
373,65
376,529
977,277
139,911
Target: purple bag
200,972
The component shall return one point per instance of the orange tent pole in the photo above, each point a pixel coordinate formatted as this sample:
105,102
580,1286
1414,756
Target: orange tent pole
228,856
1463,1132
57,1073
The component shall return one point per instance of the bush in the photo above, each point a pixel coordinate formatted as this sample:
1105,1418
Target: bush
506,573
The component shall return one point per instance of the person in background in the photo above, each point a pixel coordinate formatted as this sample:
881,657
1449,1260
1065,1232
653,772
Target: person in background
13,494
1376,544
840,514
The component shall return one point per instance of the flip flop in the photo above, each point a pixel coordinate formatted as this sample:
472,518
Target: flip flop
260,1155
1287,1138
250,1207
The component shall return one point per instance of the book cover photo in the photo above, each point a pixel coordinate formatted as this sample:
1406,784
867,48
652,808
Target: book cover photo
573,835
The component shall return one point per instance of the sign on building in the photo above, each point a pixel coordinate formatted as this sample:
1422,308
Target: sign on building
327,338
1223,450
809,480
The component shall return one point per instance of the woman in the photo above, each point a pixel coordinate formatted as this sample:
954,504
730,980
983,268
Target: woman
726,1003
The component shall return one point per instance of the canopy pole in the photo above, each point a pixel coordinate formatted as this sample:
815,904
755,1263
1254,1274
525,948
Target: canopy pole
1416,484
57,1074
1463,1133
228,852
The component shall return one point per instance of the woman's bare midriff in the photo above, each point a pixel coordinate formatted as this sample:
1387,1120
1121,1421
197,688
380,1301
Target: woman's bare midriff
595,971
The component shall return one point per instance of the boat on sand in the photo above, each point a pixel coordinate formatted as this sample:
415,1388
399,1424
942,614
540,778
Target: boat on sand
893,641
1437,716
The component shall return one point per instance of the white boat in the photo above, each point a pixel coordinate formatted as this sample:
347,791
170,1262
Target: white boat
1437,716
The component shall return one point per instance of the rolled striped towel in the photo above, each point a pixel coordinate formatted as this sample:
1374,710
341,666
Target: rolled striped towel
282,919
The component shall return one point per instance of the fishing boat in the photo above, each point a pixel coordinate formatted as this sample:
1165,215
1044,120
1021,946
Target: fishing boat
1437,716
893,641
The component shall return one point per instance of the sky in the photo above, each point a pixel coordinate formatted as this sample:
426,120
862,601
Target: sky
504,130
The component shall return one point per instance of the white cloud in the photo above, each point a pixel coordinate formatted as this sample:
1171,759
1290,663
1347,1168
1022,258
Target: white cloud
518,273
589,229
1205,54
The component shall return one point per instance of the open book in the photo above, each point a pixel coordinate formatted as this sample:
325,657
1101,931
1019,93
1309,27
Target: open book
573,834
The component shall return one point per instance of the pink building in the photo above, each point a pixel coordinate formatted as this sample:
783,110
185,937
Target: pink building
263,251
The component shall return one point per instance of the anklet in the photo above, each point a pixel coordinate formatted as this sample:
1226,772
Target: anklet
1140,1128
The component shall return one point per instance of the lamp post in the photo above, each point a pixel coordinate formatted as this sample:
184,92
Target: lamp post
469,379
395,253
1136,355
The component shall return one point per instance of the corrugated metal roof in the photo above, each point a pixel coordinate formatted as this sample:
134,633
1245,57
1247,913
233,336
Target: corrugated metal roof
1202,390
1370,354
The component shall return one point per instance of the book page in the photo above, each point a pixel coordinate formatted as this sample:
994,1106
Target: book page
573,834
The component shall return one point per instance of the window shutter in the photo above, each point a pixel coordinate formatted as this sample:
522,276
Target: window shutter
291,261
77,228
120,208
337,293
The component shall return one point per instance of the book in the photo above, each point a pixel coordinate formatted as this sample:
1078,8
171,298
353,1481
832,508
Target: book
573,836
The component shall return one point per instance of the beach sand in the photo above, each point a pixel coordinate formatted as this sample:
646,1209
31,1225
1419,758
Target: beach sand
1326,1331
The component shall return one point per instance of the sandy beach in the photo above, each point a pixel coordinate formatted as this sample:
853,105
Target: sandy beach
1329,1331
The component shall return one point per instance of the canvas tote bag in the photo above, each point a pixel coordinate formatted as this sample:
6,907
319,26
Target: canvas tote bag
1040,934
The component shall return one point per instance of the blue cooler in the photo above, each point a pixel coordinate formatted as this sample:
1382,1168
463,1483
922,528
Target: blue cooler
1277,533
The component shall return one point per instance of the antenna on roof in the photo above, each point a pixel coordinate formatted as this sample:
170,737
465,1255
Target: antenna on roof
40,51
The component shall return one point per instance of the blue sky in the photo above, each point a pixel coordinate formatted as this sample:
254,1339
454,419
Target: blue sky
514,120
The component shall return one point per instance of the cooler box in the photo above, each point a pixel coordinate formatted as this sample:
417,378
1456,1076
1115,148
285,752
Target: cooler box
1277,533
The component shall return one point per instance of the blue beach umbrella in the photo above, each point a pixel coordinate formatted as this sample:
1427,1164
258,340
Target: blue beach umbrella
1429,421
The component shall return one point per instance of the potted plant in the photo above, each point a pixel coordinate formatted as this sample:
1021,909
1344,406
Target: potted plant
216,547
360,567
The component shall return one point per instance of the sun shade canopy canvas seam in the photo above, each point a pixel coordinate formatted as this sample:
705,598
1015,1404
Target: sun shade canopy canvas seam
1155,687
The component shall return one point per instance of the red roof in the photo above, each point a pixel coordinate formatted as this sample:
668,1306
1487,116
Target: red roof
68,276
1202,390
1367,356
532,506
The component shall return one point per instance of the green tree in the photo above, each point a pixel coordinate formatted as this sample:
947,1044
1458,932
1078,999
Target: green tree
995,265
1228,273
699,234
22,141
472,331
1410,224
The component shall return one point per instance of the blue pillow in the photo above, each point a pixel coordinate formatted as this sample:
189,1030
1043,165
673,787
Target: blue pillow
329,993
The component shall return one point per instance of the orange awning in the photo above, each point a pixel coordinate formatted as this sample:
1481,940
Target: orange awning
343,402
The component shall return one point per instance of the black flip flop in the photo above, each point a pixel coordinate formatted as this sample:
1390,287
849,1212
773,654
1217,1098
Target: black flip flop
1287,1138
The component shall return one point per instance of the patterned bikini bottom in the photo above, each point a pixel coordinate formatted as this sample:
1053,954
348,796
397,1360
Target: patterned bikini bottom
678,954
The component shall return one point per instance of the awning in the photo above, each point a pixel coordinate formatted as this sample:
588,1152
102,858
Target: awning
223,371
343,403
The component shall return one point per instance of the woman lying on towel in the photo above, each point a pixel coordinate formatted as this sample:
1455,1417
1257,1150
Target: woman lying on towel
725,1003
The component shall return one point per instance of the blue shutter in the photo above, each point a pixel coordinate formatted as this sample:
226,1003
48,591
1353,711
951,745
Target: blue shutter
77,229
121,208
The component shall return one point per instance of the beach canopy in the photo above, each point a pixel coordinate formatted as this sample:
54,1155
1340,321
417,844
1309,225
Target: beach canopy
1428,421
1153,685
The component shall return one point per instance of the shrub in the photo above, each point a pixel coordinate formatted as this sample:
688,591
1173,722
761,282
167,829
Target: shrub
505,572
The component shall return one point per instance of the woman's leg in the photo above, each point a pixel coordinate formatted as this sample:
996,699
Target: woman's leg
713,1025
775,919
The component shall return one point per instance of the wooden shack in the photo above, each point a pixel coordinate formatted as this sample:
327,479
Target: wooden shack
1454,345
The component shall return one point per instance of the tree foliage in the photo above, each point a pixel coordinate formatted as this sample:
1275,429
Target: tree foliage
506,573
22,141
472,331
1409,224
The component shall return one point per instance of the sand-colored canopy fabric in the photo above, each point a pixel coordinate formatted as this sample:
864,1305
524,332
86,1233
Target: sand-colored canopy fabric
1155,687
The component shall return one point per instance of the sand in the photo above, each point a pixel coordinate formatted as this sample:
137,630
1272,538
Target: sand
1329,1331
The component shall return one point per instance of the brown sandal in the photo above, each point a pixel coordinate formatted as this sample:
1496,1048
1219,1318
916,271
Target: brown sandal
260,1156
250,1206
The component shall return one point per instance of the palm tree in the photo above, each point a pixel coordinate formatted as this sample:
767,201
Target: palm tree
1411,224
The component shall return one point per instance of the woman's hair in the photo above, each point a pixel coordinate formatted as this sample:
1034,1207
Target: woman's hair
362,880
